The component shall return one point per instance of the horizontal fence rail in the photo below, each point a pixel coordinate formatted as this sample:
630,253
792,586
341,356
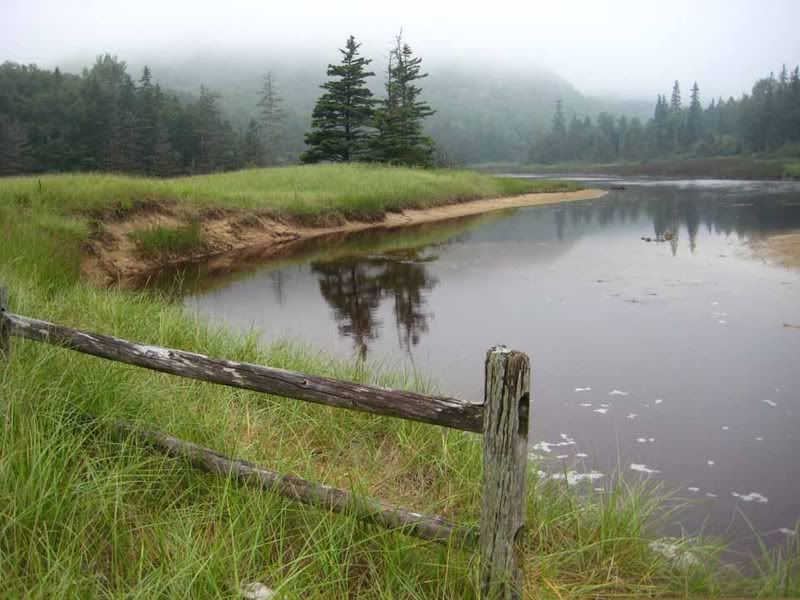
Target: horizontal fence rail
437,410
431,528
502,418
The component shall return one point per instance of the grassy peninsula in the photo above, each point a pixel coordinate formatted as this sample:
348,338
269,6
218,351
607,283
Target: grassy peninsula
86,513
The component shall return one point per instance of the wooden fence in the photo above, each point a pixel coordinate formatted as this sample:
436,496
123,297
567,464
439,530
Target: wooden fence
502,418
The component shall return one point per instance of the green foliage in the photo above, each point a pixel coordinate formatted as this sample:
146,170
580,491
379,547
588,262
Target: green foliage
161,239
102,120
343,114
400,139
764,121
272,118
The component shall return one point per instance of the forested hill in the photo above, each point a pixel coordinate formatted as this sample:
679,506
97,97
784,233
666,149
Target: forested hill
484,113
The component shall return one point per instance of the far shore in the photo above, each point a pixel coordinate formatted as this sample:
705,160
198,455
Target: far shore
115,261
781,249
705,168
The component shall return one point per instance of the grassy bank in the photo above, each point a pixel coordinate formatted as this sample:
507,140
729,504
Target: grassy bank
87,514
716,168
311,195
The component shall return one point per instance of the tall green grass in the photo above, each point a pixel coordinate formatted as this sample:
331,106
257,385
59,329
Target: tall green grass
163,239
85,513
310,194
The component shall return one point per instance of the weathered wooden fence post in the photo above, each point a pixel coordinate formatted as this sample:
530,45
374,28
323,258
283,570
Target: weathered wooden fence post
505,457
5,330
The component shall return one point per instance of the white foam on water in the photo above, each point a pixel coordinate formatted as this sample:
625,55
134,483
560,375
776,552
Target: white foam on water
710,495
751,497
643,468
602,411
631,416
581,455
617,393
726,428
605,405
722,321
670,550
659,400
715,303
560,456
711,463
759,438
786,531
574,477
586,389
586,404
693,489
566,440
642,440
770,402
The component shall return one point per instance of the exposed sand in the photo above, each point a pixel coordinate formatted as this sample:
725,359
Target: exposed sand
781,249
111,258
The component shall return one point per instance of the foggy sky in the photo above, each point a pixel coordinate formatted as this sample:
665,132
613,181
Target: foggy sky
626,48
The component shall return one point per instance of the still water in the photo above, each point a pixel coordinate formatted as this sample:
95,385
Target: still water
662,360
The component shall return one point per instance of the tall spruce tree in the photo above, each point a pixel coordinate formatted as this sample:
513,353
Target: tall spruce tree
343,114
694,121
399,116
272,119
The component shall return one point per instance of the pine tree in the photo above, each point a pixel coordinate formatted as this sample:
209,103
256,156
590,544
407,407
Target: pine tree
15,150
208,131
675,100
273,120
343,114
166,160
559,132
147,121
120,152
253,150
399,116
694,122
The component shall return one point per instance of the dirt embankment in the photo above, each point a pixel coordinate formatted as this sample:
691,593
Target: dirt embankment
111,257
782,249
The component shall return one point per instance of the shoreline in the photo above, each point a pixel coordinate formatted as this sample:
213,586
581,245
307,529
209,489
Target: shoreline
112,257
781,249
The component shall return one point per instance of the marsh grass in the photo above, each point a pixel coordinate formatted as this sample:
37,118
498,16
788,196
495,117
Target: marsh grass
85,513
158,240
308,194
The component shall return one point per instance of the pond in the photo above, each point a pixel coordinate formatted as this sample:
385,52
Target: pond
667,360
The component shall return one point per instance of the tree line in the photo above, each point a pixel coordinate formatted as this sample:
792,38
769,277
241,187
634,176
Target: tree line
767,119
348,124
104,120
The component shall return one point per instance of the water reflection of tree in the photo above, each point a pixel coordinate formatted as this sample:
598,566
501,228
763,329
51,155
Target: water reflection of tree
355,288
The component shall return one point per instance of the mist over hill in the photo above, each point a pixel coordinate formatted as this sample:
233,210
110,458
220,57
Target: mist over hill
484,112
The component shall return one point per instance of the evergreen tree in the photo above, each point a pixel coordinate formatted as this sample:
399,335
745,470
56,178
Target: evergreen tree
166,160
208,131
147,121
342,116
253,150
15,150
675,99
398,119
272,126
559,131
121,151
694,122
